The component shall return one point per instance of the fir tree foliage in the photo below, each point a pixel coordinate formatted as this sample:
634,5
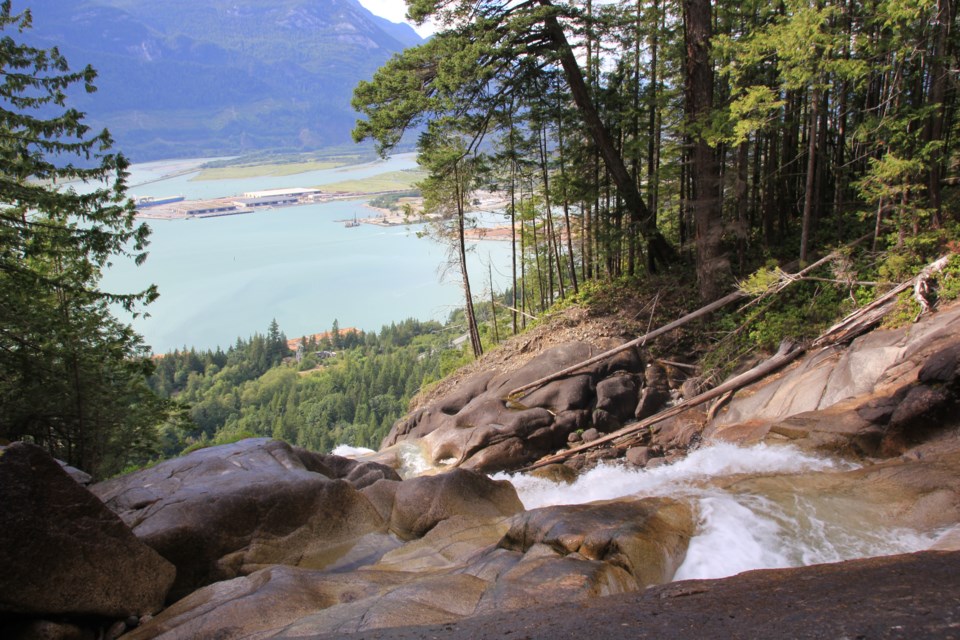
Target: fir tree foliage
72,377
737,132
353,397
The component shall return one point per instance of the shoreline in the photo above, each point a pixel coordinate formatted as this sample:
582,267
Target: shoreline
390,218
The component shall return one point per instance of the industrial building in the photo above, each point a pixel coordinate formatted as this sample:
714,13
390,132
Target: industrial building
297,193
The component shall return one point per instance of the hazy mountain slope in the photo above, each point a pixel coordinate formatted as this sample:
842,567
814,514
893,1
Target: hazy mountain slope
212,77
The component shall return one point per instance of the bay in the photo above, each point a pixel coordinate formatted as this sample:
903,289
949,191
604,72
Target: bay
228,277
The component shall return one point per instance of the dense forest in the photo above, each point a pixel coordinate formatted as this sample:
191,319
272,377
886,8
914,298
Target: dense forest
347,388
636,138
702,146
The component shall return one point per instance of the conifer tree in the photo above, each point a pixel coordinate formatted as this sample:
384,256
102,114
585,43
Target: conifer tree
72,377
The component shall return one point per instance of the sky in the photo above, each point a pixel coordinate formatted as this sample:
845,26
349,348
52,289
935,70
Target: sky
395,11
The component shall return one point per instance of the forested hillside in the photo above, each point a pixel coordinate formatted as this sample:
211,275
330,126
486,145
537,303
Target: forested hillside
349,388
637,138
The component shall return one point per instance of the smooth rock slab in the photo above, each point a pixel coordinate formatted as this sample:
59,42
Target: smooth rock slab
62,552
261,603
421,503
908,596
227,511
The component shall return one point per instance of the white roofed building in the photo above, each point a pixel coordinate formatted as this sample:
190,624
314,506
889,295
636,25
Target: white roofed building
299,192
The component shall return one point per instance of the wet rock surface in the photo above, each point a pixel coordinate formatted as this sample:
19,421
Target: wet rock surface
889,390
647,538
906,596
470,549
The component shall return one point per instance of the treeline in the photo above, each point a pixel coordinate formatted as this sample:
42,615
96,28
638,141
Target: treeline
634,138
348,388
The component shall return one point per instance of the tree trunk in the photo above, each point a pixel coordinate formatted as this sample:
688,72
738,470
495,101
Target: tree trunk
809,192
934,131
659,252
653,125
513,222
551,231
566,213
712,265
462,251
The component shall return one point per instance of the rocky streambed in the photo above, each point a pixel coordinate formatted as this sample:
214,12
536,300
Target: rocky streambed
851,452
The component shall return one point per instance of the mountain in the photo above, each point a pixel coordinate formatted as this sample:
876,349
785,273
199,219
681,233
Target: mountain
190,78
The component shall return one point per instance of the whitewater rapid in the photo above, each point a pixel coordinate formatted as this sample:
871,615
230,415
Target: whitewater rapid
737,532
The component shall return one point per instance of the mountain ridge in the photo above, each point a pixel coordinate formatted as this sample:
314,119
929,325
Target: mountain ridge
209,77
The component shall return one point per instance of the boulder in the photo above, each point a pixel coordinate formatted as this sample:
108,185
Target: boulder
262,603
618,396
639,456
450,545
546,363
477,427
604,421
544,576
575,392
356,473
81,477
506,454
421,503
226,511
647,538
63,552
556,473
679,432
651,402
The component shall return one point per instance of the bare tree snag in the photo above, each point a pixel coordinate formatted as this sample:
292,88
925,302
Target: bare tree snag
866,317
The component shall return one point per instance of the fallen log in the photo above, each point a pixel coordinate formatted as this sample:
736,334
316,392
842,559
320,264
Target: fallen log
787,280
788,352
864,318
853,325
517,394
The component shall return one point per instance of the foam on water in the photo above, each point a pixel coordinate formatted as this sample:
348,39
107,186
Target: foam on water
412,460
607,482
736,531
347,451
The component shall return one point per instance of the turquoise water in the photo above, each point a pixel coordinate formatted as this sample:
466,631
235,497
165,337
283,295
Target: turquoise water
220,278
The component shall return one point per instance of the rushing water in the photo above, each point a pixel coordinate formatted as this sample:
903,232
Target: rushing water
227,277
737,531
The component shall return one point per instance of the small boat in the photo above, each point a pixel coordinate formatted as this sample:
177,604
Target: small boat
352,223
